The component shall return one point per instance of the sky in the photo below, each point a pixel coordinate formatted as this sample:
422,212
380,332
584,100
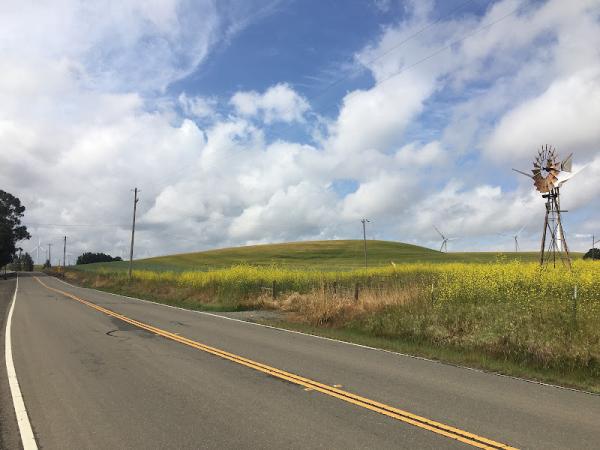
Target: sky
258,121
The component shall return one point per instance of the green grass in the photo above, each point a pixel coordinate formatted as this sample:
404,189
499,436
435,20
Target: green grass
339,255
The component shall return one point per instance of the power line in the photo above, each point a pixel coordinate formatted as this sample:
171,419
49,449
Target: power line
66,225
390,50
439,50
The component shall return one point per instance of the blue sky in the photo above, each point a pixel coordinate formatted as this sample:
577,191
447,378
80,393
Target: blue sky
266,121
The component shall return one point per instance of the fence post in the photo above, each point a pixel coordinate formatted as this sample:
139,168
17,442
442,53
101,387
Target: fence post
575,306
273,288
432,296
356,292
334,287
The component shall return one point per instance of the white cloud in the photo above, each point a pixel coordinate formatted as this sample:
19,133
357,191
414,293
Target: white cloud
411,156
279,103
117,45
293,213
566,115
196,106
375,119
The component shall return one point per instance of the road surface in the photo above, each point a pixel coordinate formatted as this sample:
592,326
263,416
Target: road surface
103,371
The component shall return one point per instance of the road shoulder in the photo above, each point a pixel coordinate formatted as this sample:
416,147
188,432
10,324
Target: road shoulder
9,430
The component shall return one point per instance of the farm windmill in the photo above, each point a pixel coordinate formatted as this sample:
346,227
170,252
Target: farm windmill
445,240
546,170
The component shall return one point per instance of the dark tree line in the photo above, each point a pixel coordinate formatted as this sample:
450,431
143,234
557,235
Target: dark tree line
89,258
593,253
11,230
22,263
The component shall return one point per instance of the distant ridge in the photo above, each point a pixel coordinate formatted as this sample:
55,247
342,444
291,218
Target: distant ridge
315,255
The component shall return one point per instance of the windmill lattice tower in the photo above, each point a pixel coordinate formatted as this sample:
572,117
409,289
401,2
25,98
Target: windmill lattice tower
546,168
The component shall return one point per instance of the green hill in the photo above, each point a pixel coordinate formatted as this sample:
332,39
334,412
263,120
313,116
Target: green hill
317,255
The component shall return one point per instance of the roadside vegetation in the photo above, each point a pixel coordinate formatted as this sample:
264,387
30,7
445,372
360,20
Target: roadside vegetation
11,231
509,316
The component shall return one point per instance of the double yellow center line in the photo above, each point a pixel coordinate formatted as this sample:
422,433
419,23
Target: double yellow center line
381,408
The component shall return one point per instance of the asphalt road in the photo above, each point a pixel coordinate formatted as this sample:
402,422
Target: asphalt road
90,380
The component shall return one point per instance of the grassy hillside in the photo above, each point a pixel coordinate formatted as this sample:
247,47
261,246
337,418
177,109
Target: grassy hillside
315,255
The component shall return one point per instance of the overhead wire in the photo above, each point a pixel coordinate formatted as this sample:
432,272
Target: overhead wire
390,50
440,50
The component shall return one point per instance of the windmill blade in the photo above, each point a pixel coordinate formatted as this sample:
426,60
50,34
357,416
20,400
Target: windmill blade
523,173
452,239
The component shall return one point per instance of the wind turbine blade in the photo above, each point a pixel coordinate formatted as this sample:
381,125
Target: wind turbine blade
442,246
567,164
576,173
523,173
439,232
522,228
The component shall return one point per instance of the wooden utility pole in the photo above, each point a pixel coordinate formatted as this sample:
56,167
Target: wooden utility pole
364,222
64,254
135,201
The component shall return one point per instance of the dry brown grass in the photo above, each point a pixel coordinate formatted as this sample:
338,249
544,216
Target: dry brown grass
326,307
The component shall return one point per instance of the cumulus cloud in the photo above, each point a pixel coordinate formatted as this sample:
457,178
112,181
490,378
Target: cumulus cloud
279,103
566,115
197,106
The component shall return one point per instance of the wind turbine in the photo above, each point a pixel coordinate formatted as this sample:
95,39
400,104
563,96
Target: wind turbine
444,246
515,237
37,249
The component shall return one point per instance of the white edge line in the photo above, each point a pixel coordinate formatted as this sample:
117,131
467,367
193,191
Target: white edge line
27,438
316,336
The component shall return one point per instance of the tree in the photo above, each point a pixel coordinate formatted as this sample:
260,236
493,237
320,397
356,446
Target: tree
593,253
22,263
11,230
89,258
47,264
16,264
27,263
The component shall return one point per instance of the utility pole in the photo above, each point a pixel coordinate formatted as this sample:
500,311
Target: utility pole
50,254
364,222
135,201
64,254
